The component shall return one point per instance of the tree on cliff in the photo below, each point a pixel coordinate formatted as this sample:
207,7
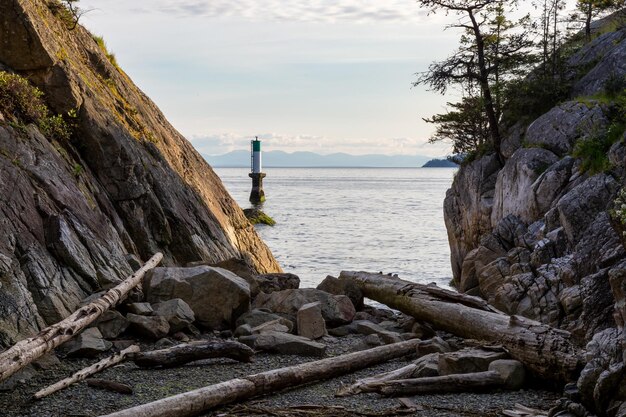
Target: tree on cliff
492,49
591,9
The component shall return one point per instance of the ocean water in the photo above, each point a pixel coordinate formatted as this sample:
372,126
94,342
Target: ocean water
365,219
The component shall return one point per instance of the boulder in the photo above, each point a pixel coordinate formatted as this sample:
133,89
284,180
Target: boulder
336,309
177,313
256,317
512,372
336,286
427,365
560,128
269,283
111,324
141,309
434,345
467,361
88,344
344,330
270,326
310,323
547,189
216,296
242,267
151,327
288,344
243,330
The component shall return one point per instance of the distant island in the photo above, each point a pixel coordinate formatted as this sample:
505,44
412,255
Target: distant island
440,163
275,159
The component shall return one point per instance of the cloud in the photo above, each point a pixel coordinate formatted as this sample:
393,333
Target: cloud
218,144
318,11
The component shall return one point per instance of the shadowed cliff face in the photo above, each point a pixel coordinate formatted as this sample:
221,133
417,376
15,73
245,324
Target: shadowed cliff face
127,182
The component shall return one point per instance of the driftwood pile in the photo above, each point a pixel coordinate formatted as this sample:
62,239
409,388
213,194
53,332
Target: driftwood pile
545,352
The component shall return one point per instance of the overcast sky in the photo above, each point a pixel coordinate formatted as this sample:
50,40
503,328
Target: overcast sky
319,75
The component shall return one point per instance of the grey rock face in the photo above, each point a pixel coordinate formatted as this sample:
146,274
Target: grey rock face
514,185
336,309
560,128
216,296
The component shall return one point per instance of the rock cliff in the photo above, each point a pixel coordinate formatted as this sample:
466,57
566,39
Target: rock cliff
535,237
76,214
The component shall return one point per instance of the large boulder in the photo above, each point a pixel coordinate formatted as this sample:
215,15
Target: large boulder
216,296
151,327
336,309
111,324
88,344
310,321
177,313
338,286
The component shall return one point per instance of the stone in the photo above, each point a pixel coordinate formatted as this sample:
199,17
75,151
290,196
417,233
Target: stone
467,361
344,330
242,267
216,296
560,128
164,343
427,365
269,283
434,345
111,324
122,344
550,185
177,313
87,344
309,321
336,286
243,330
368,328
270,326
512,372
181,337
288,344
257,317
422,331
249,340
373,340
141,309
336,309
151,327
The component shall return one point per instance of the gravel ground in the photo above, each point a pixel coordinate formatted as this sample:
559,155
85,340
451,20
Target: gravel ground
150,385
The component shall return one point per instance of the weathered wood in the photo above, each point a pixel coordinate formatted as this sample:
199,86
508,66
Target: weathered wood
545,351
28,350
86,372
190,352
441,384
108,385
370,384
198,401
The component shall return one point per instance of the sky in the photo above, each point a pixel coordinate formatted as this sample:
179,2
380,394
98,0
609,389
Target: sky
304,75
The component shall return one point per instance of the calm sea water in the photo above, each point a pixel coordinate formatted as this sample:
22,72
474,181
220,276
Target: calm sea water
371,219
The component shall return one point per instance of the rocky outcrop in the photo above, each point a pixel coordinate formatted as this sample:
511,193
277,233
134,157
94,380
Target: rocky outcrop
535,236
126,183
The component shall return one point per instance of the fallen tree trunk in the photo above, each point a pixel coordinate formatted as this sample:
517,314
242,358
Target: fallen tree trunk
190,352
195,402
547,352
28,350
86,372
441,384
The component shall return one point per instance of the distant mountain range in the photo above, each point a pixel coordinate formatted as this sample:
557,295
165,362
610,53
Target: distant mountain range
310,159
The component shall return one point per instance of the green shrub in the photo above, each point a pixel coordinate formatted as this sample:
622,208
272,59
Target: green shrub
593,150
22,103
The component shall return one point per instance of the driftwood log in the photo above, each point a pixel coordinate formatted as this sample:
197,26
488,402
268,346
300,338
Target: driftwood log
547,352
28,350
87,372
441,384
198,401
372,383
190,352
112,386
